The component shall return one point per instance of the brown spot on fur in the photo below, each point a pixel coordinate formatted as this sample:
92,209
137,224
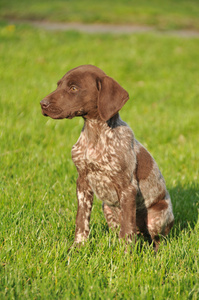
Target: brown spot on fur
161,205
144,164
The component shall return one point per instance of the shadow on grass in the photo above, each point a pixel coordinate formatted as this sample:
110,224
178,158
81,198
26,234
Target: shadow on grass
185,202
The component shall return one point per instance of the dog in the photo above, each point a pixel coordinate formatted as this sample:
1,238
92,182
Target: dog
110,162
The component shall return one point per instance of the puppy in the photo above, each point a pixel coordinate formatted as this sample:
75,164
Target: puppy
110,162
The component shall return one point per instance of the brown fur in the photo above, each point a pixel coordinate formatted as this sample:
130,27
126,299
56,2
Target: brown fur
110,162
144,164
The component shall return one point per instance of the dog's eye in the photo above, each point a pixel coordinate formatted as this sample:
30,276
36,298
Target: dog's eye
73,88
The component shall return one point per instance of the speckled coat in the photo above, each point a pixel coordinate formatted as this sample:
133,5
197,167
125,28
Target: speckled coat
110,162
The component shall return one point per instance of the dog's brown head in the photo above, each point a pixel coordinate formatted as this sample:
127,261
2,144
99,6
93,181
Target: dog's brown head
85,91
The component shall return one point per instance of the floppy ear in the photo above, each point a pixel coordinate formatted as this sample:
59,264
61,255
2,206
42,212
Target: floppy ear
111,97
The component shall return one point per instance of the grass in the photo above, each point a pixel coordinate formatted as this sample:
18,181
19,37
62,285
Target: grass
165,15
37,186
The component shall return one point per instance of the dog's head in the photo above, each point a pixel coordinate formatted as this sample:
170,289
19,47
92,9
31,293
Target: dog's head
85,91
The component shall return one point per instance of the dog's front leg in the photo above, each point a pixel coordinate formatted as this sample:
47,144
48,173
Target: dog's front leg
85,201
128,214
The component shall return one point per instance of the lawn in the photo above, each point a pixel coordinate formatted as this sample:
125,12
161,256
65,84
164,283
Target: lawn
37,186
166,14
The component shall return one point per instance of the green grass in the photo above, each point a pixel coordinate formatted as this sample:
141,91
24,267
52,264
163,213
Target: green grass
37,184
166,14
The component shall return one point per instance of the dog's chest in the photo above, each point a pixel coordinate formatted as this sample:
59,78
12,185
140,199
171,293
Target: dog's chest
102,165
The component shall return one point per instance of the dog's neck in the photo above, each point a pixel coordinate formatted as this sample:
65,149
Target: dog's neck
94,128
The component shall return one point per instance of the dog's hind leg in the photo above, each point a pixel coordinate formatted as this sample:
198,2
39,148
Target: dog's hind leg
160,220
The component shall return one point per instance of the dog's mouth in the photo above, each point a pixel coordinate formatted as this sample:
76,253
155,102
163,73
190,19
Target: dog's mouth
52,111
69,117
55,113
44,113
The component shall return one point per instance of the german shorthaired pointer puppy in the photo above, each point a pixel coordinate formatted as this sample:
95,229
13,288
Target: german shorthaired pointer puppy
110,162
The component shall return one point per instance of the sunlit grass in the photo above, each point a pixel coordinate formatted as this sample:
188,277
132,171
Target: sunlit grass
37,186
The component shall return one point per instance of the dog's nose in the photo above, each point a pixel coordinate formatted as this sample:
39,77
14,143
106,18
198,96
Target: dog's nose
44,103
